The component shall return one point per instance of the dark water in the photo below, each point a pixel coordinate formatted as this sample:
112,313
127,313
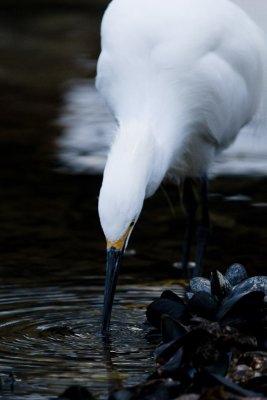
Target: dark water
51,246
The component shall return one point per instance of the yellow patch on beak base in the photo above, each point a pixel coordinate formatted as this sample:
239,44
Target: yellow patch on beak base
118,245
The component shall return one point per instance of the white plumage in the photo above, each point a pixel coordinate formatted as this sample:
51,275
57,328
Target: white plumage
183,78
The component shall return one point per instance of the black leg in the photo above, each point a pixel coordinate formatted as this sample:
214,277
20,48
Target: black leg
203,228
190,204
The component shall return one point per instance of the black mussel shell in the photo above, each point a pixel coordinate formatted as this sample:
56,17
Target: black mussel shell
204,305
76,392
169,294
171,329
157,389
207,380
236,273
166,350
220,363
199,284
220,286
158,307
172,367
122,394
262,337
154,336
241,307
257,384
196,349
202,350
152,389
188,295
254,283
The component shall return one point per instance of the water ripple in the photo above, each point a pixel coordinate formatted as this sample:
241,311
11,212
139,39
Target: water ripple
50,338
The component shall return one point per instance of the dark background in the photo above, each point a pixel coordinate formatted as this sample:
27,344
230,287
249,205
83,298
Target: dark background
49,218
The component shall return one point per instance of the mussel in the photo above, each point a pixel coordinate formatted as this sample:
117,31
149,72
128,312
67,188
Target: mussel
236,273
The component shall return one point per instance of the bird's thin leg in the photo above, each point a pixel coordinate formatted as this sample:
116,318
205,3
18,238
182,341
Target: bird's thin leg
190,204
203,228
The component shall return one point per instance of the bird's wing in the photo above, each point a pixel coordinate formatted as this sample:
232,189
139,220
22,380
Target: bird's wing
184,64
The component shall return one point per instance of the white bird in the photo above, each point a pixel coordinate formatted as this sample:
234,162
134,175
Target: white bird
183,78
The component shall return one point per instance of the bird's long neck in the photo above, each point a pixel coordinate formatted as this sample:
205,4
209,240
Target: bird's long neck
135,168
137,156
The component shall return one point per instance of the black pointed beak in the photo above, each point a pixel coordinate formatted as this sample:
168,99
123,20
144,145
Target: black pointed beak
112,272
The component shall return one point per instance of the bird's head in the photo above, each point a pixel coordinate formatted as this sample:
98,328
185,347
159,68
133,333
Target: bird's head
117,221
133,172
115,250
120,203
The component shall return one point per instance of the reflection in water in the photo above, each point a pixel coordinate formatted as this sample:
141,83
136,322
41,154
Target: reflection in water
50,334
88,130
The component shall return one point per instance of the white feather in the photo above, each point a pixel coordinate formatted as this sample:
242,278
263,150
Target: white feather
183,79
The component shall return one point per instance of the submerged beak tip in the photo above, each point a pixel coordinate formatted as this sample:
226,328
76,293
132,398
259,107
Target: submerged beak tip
112,272
114,253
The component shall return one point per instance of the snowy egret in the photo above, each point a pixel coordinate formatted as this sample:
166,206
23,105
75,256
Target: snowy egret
183,79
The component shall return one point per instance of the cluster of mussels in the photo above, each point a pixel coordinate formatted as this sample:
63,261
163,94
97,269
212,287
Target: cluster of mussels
212,341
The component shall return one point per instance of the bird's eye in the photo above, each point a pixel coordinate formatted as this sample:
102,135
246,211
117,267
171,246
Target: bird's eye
132,224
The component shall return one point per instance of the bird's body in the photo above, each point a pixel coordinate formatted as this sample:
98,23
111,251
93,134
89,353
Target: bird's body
183,78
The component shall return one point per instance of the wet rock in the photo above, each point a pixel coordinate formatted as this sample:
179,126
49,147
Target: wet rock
242,373
257,360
